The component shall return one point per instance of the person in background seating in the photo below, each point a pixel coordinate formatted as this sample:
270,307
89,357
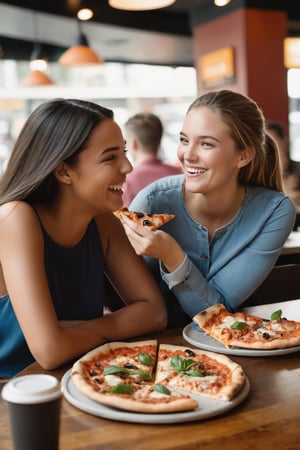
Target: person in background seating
143,137
59,238
291,169
231,216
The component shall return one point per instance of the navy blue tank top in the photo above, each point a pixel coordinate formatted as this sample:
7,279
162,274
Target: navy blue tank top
76,281
75,276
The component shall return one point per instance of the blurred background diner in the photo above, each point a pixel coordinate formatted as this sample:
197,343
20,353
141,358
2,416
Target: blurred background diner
290,168
136,57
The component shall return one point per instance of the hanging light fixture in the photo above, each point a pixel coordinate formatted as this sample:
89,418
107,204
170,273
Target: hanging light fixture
38,64
37,59
80,54
85,9
37,78
85,14
221,2
139,5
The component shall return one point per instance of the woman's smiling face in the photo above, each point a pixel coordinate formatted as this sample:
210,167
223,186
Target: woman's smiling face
98,177
207,152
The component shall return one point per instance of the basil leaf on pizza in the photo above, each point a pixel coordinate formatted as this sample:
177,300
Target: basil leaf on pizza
161,389
114,369
121,389
146,376
149,377
276,315
238,325
146,359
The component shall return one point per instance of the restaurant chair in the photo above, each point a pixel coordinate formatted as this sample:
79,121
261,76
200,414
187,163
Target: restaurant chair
282,284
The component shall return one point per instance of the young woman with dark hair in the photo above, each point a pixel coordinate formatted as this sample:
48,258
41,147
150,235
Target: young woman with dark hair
59,238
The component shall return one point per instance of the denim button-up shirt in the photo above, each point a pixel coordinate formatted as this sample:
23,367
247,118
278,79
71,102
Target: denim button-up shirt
233,263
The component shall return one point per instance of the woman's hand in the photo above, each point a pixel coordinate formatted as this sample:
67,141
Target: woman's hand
155,244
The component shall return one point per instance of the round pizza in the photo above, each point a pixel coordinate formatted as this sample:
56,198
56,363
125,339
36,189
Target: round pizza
151,378
153,221
248,331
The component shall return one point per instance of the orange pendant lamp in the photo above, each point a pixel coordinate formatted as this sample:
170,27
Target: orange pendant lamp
38,66
80,54
37,78
38,62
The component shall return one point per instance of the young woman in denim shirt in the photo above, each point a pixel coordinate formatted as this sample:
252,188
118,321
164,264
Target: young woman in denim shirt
232,217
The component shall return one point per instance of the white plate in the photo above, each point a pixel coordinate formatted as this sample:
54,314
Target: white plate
202,340
207,407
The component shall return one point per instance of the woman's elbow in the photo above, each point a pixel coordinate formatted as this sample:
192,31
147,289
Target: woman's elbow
160,320
49,357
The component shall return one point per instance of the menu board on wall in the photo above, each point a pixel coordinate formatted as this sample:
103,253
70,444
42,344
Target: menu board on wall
291,49
217,68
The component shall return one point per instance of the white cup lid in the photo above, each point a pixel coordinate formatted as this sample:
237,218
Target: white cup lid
27,389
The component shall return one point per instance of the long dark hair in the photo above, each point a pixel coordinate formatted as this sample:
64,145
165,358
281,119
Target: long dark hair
248,129
55,132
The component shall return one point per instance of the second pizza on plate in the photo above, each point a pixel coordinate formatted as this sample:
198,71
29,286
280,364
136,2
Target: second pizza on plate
248,331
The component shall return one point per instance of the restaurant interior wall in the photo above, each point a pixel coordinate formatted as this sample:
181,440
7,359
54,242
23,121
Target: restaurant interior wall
126,88
256,38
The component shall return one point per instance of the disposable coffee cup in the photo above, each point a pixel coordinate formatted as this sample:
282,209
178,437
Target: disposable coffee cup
34,403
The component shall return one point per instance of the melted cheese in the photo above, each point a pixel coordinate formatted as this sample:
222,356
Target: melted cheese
113,380
228,321
182,380
122,360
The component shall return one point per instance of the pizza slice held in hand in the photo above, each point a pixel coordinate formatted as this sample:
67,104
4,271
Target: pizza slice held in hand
152,221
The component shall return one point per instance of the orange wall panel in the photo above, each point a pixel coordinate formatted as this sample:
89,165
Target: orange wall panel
257,39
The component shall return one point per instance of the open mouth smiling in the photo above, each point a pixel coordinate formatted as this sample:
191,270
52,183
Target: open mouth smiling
116,188
195,171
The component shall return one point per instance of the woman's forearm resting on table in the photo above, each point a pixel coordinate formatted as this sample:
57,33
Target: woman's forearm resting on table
71,340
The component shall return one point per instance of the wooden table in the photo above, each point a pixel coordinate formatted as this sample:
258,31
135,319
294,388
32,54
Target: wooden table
268,419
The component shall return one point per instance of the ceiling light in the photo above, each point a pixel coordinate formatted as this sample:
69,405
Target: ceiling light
139,5
37,59
38,64
85,14
36,78
80,54
221,2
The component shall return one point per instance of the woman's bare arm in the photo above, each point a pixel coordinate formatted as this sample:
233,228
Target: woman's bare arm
52,344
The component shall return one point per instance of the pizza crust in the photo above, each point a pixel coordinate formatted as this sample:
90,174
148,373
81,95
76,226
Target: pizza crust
205,316
170,405
264,344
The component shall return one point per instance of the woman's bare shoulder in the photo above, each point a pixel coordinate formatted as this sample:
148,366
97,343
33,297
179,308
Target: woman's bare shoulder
16,210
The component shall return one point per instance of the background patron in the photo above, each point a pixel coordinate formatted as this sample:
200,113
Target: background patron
143,135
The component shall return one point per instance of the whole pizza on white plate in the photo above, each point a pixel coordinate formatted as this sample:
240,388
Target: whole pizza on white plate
148,377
